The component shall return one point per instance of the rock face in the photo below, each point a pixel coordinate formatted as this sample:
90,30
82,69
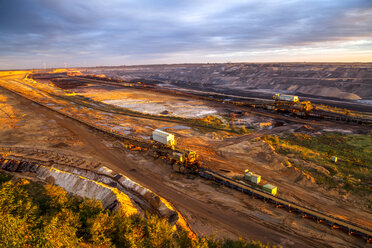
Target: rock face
340,80
113,189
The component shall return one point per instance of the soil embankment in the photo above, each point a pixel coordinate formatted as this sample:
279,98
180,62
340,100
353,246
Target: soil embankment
350,81
113,189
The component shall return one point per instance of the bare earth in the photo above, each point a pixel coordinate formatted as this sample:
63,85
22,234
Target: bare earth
208,207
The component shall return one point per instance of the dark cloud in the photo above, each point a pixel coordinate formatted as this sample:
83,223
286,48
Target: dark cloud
96,31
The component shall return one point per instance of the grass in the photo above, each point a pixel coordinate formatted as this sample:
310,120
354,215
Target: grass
353,170
341,111
36,215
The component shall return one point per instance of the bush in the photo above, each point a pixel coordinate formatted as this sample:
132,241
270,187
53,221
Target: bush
36,216
354,152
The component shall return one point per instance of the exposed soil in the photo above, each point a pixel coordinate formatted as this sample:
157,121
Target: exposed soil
338,84
209,207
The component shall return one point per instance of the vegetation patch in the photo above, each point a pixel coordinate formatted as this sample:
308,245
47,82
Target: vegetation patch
343,111
352,171
35,215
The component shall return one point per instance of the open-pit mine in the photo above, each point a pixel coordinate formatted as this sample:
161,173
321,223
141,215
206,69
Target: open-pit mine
280,153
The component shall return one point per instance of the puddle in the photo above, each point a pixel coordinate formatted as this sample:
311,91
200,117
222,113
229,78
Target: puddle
181,109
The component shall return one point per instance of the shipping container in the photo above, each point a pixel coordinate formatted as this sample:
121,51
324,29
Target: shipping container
163,137
255,178
249,176
334,159
288,98
270,189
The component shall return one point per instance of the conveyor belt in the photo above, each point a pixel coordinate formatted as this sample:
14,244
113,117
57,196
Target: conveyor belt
347,226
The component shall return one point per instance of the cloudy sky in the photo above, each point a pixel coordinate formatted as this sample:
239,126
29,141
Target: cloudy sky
58,33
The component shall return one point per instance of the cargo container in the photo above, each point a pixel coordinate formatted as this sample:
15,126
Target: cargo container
288,98
270,189
249,176
163,137
255,178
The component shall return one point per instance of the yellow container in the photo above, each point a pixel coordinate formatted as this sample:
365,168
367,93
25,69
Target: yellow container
270,189
334,159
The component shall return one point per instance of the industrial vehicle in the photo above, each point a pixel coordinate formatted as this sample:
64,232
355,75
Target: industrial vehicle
165,146
289,103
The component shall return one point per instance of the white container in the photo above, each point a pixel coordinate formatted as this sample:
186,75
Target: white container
270,189
248,175
255,178
163,137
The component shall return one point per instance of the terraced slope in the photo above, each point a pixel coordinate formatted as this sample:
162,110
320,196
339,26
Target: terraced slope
351,81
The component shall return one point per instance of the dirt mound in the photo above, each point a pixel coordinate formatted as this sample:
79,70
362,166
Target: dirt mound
165,112
257,151
262,153
299,177
327,92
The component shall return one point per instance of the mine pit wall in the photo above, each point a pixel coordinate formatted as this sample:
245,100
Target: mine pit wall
113,189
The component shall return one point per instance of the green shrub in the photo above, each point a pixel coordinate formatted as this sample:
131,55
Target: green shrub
354,166
33,215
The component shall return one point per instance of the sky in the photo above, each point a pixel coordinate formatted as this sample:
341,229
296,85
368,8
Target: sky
70,33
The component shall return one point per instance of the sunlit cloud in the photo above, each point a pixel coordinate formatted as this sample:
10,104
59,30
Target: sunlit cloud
90,33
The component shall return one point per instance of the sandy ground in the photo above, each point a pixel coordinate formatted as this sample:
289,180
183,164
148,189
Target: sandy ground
151,103
209,208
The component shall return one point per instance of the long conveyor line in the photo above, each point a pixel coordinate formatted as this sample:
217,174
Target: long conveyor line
347,226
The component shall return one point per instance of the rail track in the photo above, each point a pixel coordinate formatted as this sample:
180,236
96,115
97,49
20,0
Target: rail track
239,101
120,111
48,156
348,227
259,106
